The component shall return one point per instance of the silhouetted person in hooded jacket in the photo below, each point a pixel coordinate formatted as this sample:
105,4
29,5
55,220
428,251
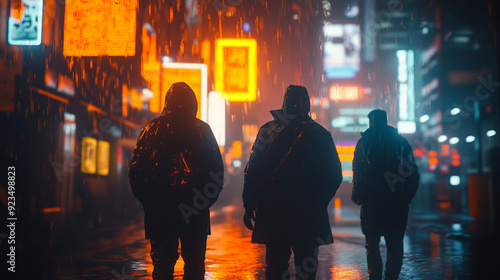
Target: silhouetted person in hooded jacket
385,179
177,173
292,174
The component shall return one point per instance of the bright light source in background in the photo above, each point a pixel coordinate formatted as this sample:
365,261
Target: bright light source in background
237,163
455,111
345,93
470,138
425,30
235,72
246,27
217,116
406,127
406,93
167,59
424,118
351,10
456,227
147,94
342,121
491,133
454,180
442,138
454,140
295,16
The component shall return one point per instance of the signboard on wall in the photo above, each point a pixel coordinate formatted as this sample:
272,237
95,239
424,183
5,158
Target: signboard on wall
25,22
89,152
100,28
193,74
102,158
236,69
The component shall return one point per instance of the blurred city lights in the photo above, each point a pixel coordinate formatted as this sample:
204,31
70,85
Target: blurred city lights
424,118
455,111
246,27
454,180
491,133
442,138
470,138
454,140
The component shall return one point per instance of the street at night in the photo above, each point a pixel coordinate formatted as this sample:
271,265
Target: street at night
120,251
249,139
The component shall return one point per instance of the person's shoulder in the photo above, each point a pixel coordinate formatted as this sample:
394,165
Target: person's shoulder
317,128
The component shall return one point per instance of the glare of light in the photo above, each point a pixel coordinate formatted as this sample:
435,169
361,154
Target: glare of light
470,138
454,180
461,39
237,163
167,59
217,116
295,16
246,27
425,30
424,118
351,11
147,93
491,133
406,127
455,111
442,138
456,227
342,121
454,140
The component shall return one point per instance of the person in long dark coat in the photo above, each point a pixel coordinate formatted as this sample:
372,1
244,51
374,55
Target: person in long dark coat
292,174
177,174
385,179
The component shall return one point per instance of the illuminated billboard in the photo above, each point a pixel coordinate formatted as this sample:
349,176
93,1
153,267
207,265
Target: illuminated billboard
25,22
193,74
89,153
236,69
102,157
341,50
345,93
99,28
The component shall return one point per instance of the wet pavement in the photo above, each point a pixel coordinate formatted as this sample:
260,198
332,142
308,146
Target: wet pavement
120,252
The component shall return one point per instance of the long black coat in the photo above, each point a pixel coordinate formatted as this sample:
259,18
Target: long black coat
292,174
385,180
176,173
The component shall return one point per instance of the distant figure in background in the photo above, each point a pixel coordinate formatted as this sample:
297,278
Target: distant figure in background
292,174
385,181
177,173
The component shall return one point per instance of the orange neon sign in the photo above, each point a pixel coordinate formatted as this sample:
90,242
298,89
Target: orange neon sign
98,27
236,69
345,93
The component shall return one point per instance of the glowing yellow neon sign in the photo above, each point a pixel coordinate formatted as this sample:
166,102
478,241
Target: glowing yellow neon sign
89,152
236,69
102,158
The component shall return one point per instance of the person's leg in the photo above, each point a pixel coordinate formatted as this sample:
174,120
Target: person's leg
164,254
373,257
193,248
306,260
395,252
277,257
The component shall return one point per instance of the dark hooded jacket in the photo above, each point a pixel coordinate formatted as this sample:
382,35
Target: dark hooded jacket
176,171
292,174
385,179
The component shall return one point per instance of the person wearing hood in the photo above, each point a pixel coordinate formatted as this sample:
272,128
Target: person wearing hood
292,174
385,180
176,173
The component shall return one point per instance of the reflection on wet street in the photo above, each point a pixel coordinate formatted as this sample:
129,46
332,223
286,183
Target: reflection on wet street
121,252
